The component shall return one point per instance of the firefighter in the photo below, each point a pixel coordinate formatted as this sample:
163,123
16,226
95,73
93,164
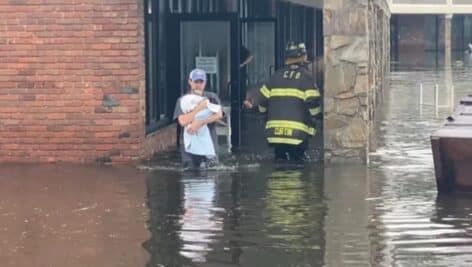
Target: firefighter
291,101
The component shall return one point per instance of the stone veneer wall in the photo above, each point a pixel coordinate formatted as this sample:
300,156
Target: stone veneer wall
357,39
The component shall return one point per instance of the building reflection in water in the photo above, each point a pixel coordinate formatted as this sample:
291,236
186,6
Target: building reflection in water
409,224
164,195
268,217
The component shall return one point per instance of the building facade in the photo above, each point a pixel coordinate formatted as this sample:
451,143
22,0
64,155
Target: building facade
419,40
71,81
96,80
431,33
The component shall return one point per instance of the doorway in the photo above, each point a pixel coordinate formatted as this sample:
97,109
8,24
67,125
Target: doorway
258,36
210,42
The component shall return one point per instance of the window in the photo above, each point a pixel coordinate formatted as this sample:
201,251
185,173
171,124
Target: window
257,8
201,6
157,113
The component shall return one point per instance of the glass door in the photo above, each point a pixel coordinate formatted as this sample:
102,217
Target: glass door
207,45
209,42
258,37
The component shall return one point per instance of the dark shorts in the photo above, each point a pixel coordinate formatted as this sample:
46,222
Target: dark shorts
195,161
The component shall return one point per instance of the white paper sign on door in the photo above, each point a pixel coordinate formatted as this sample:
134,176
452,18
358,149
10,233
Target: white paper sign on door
208,64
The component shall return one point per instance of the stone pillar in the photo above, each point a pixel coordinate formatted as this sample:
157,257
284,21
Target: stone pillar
353,42
346,80
447,40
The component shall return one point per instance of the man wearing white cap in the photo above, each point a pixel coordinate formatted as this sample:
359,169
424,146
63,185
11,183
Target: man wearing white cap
192,123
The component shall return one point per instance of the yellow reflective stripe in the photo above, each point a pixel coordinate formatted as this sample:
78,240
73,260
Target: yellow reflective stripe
262,109
278,140
265,91
312,93
290,124
293,92
287,92
315,111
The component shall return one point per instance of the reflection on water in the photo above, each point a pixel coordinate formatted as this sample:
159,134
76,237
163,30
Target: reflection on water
269,217
411,225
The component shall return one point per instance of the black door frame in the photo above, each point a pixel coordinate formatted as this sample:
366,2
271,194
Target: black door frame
173,63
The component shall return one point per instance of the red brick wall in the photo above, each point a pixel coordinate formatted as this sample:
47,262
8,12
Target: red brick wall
160,141
71,80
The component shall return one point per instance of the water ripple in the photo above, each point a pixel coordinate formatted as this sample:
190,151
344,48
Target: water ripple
411,225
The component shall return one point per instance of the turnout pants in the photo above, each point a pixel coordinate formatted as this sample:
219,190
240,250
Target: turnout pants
290,152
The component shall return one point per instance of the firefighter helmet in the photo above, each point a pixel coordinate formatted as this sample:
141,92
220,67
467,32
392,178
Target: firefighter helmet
295,49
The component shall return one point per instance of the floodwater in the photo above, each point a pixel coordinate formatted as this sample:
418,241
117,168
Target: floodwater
409,224
67,215
248,211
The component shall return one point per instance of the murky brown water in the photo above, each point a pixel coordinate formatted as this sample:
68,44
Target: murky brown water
251,212
67,215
